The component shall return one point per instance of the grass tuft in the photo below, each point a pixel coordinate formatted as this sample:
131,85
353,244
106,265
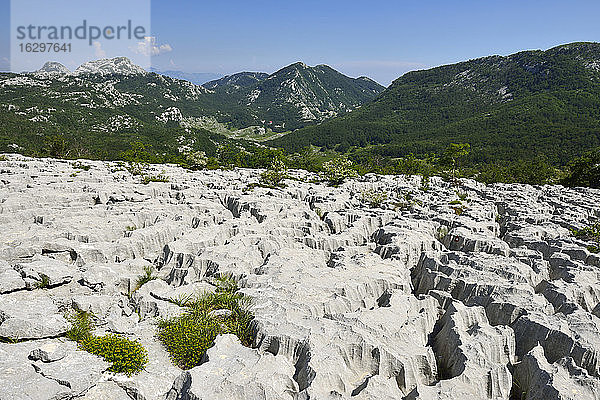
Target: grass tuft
188,336
145,278
44,282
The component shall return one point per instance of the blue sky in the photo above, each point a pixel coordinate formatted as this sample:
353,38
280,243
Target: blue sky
379,39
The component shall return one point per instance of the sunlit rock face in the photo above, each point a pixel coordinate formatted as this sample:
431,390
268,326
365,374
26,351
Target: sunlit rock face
463,291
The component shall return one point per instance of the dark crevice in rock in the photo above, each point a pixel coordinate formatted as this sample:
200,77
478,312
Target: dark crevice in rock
135,394
8,340
180,389
384,299
59,381
361,387
304,374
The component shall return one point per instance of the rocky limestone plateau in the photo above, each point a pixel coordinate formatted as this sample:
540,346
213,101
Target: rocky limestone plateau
421,298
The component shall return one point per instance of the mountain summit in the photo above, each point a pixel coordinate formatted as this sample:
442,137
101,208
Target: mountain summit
297,95
110,66
53,68
507,107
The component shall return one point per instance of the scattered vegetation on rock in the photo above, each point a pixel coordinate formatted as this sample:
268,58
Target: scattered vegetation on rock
336,171
145,278
43,283
146,179
126,356
590,233
188,336
273,177
374,198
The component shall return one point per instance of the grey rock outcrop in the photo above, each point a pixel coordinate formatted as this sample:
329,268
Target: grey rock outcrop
464,291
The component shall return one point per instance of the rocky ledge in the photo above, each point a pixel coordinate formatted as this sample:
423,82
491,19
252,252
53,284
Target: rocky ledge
463,291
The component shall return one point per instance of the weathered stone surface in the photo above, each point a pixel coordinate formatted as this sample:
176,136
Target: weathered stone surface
52,351
473,354
30,315
536,379
19,379
78,371
235,372
465,291
55,272
106,391
10,279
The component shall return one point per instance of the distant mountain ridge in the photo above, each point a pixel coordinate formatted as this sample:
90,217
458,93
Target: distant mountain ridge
103,67
532,103
234,82
197,78
106,104
297,95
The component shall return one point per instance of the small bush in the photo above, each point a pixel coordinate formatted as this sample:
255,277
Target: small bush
3,157
126,356
425,183
146,179
273,177
591,234
183,300
336,171
188,336
374,198
78,165
195,160
81,326
407,204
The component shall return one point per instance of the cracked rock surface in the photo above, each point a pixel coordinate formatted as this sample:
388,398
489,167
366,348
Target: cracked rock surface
464,291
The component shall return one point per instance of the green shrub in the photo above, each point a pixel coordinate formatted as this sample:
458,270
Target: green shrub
195,160
273,177
188,336
146,179
126,356
590,233
584,171
3,157
454,153
374,198
55,146
337,170
535,171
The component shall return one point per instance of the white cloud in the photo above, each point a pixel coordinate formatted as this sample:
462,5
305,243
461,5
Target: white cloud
99,52
4,64
149,47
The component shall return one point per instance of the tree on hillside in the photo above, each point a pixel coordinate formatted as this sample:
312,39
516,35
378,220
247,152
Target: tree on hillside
453,154
585,171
